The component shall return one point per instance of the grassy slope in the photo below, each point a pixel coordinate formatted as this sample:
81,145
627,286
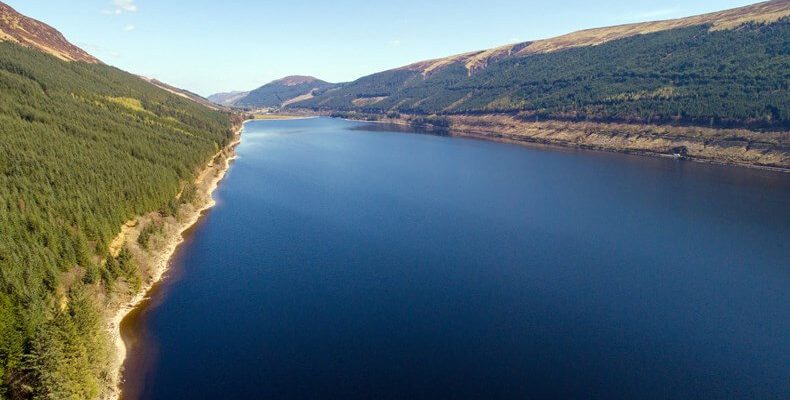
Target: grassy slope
83,148
689,75
274,94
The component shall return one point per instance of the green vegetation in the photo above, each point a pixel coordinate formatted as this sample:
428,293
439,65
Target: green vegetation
152,229
274,94
359,116
68,356
83,148
691,75
431,121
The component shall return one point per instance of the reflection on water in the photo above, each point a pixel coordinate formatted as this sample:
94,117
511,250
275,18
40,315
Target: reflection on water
348,261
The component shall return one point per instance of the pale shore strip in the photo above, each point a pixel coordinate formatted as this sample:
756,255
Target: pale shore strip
207,182
493,134
284,117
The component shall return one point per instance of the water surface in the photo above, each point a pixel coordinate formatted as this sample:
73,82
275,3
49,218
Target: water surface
344,262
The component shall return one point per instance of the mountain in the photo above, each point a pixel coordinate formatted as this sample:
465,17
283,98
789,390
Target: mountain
16,28
724,69
28,32
227,99
283,92
766,12
84,148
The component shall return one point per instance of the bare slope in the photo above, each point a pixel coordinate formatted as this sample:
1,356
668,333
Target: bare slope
766,12
17,28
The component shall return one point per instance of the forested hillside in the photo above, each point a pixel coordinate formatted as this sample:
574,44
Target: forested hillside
691,75
282,92
83,148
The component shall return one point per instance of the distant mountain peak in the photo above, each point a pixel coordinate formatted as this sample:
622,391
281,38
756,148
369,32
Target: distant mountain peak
275,94
17,28
295,80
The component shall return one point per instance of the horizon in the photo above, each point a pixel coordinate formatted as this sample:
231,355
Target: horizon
137,36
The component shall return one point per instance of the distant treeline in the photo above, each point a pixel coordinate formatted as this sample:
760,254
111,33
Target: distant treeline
83,148
723,78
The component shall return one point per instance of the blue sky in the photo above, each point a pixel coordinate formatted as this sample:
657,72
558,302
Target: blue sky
209,46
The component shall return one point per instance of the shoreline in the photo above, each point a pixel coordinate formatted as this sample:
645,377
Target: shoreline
284,118
640,153
160,261
530,141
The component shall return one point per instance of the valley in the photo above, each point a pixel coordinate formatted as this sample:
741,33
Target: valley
689,85
296,240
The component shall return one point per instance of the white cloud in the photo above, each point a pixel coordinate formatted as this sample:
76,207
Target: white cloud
124,6
128,28
395,42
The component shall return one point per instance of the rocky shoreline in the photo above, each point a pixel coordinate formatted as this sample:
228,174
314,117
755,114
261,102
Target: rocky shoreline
154,259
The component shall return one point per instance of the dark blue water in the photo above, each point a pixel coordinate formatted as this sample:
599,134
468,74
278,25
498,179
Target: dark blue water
358,264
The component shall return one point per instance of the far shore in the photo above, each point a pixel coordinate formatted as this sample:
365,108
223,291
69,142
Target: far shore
639,140
264,117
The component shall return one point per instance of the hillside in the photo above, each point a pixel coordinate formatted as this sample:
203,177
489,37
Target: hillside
16,28
85,147
766,12
227,99
725,69
28,32
283,92
183,93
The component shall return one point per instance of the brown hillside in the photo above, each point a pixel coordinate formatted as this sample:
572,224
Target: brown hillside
768,11
17,28
295,80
